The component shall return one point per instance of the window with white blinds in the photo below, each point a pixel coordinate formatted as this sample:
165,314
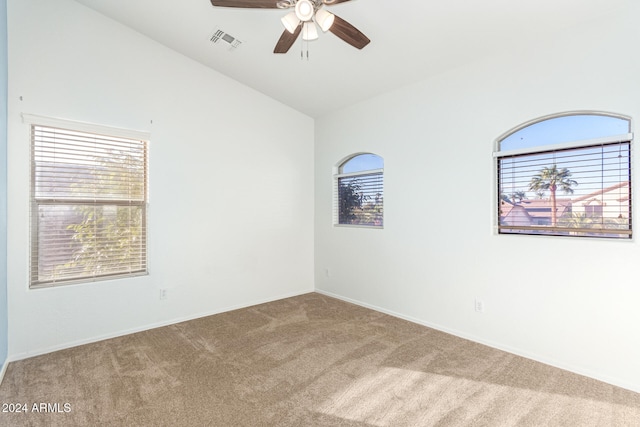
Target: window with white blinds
566,175
88,205
359,195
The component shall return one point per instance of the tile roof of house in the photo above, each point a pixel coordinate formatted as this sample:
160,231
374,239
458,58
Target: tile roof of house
542,207
603,191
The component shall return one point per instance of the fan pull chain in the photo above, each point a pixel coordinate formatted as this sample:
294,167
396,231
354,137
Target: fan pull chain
302,46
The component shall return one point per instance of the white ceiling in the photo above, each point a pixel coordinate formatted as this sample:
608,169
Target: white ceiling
410,41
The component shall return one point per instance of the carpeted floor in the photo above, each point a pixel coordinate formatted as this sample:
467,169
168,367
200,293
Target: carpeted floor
304,361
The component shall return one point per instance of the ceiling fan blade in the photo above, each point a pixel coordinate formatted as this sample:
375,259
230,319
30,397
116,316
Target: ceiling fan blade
349,33
248,4
332,2
287,40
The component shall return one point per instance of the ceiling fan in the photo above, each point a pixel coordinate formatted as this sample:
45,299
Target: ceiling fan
303,19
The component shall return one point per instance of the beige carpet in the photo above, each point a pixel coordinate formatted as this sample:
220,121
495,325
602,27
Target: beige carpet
304,361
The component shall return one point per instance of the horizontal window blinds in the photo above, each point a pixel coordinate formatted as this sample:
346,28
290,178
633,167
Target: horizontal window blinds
88,206
360,199
583,191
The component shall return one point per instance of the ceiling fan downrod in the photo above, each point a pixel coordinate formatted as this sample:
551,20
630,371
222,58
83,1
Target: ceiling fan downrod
286,4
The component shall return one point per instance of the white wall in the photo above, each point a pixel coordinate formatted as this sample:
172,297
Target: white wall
4,329
231,211
568,302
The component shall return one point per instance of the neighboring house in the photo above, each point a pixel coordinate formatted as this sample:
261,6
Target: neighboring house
539,210
611,202
532,212
514,214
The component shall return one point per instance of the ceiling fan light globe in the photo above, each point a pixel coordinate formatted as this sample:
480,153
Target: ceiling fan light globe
304,10
290,21
309,31
324,19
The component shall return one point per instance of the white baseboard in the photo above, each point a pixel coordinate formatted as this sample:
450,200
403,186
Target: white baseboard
3,370
518,352
64,346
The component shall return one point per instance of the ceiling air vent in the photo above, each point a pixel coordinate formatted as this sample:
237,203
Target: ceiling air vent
221,38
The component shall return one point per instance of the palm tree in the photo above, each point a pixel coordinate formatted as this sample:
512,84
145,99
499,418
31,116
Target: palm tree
518,196
576,220
552,179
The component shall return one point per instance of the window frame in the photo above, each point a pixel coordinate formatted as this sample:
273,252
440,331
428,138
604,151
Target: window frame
625,138
339,174
144,138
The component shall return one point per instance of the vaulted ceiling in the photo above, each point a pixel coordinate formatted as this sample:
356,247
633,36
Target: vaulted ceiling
410,41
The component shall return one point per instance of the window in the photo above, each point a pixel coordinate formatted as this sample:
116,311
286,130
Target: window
88,203
566,175
359,191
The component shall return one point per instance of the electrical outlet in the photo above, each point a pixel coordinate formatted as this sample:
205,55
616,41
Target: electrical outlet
163,294
327,272
479,304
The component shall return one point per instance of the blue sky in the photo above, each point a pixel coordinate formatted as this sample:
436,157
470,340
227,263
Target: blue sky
363,162
565,129
592,168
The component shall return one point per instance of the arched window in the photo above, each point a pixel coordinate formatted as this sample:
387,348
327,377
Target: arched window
566,175
359,191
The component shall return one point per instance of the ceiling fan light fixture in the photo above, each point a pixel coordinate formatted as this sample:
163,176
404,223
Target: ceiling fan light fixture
309,31
290,21
304,10
324,19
